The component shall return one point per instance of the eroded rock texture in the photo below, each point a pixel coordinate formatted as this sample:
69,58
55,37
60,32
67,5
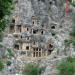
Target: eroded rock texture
50,13
43,9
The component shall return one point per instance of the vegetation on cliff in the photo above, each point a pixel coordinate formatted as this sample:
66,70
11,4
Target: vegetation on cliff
66,66
5,9
33,69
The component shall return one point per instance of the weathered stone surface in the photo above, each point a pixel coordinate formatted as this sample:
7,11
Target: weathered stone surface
8,41
49,12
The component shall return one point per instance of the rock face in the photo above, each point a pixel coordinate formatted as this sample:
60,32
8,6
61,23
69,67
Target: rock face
25,9
8,41
52,14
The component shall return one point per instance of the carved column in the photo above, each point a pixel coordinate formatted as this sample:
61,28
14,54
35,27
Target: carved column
15,28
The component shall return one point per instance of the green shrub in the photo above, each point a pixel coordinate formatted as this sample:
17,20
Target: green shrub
1,46
5,10
33,69
67,42
10,53
73,3
73,41
72,33
1,65
8,63
66,66
1,36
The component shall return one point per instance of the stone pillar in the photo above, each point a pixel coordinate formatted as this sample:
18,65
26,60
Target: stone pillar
32,31
37,52
26,54
41,53
20,47
22,29
46,53
15,28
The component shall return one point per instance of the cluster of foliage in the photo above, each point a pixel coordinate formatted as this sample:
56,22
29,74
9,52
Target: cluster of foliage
8,63
73,3
73,31
1,36
66,66
33,69
1,65
1,46
5,9
10,53
67,42
73,40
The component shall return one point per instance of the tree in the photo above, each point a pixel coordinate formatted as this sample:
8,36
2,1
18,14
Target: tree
33,69
1,65
66,66
5,9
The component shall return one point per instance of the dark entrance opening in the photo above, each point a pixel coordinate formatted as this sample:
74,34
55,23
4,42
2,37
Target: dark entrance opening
50,49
